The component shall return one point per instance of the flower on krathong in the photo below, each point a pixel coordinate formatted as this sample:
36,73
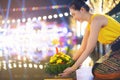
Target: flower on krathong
58,62
60,58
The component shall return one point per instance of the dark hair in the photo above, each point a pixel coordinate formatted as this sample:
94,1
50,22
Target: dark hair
77,4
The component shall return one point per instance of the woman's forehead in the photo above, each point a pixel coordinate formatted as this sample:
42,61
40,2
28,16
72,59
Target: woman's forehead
72,10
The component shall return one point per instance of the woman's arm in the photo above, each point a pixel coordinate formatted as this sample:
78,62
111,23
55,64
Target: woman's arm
96,25
83,45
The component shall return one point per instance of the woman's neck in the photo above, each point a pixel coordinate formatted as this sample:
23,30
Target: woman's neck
88,17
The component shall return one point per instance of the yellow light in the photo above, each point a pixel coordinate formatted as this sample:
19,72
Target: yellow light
14,65
55,15
30,65
60,15
50,17
9,65
8,21
25,65
19,65
39,18
66,14
41,66
44,17
13,21
35,66
3,21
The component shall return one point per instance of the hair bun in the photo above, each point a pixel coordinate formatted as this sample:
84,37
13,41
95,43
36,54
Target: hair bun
84,0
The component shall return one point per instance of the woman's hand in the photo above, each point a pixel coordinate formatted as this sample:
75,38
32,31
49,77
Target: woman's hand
67,71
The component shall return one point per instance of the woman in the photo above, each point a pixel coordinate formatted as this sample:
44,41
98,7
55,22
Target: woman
100,28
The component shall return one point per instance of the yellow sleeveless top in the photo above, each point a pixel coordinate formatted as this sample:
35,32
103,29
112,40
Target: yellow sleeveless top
109,32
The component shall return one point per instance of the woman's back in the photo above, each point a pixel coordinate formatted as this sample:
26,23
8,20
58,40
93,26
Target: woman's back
109,32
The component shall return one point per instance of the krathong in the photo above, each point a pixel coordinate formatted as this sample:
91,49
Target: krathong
58,63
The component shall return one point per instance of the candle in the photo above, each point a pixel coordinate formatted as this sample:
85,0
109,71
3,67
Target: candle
56,50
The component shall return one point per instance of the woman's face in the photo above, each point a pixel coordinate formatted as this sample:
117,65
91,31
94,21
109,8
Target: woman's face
76,14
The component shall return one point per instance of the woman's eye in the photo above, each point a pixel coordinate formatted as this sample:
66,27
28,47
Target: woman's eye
71,15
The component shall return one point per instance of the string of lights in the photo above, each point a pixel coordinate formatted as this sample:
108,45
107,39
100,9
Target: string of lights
36,8
54,16
19,65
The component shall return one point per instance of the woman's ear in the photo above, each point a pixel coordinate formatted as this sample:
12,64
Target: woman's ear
82,9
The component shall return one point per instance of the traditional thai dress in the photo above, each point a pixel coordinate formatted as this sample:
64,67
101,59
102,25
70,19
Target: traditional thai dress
109,34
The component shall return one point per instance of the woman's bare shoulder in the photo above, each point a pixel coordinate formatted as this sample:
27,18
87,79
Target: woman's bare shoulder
100,19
